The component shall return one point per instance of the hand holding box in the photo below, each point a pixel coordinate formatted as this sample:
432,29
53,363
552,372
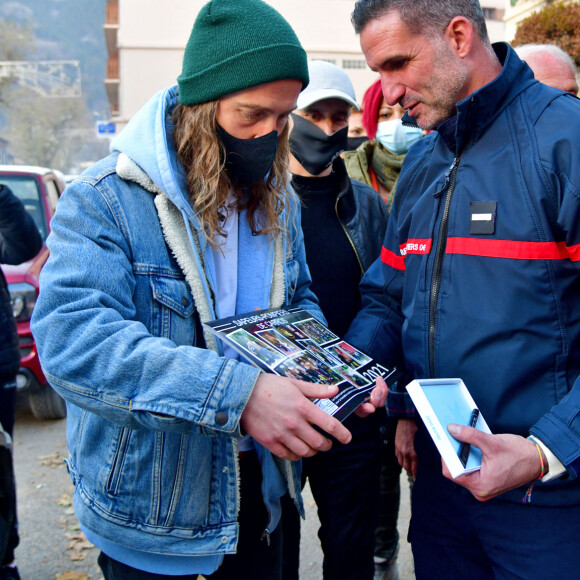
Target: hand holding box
444,401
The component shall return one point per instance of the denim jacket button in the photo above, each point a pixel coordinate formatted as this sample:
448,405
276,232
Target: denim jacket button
224,540
184,301
221,418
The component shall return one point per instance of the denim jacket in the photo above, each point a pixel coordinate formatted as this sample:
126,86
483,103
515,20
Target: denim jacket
153,415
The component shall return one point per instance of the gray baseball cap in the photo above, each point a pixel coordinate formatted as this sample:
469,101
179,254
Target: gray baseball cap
327,81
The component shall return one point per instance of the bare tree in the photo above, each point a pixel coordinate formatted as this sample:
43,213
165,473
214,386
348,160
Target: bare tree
47,132
16,43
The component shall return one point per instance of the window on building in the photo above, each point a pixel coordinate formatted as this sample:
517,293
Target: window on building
330,60
352,63
489,13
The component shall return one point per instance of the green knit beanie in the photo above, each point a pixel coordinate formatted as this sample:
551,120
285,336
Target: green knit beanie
235,45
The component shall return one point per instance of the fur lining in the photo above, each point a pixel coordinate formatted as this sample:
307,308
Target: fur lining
127,169
278,288
175,233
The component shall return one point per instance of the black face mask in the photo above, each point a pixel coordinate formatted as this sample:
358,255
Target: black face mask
312,147
248,160
355,142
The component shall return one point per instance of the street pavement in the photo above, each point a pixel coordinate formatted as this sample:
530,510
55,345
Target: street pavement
52,547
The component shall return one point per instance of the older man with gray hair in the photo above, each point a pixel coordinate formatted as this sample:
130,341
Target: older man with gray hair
551,65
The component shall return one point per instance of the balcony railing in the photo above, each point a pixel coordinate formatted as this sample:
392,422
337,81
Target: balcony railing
113,68
112,12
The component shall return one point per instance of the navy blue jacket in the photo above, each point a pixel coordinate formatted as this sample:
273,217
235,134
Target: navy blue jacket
479,276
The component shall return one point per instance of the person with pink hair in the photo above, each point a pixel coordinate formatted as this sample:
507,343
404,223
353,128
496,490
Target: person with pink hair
378,161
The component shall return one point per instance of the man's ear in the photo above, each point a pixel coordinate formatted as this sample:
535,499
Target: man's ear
460,33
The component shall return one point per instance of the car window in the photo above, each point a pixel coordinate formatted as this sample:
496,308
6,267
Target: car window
26,188
52,191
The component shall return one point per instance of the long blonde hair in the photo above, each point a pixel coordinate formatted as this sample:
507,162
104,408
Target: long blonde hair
202,156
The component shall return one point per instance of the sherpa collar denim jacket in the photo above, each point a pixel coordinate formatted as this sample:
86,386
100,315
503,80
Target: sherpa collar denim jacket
152,421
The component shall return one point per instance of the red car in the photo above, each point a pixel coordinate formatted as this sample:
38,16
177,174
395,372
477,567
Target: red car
39,189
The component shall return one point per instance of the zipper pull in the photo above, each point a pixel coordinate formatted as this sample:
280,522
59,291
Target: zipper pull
445,185
266,536
450,170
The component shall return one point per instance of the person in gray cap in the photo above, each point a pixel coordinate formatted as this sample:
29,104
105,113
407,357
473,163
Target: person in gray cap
179,451
344,223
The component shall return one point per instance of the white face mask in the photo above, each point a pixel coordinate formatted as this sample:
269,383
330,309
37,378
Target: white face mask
397,138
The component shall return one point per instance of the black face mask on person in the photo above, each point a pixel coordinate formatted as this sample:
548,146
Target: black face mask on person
312,147
355,142
248,160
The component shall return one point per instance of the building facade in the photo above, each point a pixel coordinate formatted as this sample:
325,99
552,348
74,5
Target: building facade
146,40
518,10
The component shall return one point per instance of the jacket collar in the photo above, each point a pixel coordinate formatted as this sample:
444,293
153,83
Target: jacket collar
480,109
347,207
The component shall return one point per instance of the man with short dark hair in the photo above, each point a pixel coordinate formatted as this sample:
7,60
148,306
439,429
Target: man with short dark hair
478,279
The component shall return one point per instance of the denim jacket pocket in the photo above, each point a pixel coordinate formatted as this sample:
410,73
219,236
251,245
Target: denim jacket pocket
172,310
162,464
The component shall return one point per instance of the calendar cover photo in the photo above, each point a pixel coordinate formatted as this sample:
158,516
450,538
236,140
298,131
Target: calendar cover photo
292,343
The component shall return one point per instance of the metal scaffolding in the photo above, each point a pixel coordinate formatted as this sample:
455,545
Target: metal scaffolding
48,78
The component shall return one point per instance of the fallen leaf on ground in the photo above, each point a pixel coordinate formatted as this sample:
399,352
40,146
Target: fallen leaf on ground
71,575
53,460
64,500
78,543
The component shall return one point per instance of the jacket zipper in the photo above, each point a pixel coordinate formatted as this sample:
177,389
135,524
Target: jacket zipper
348,237
266,536
450,180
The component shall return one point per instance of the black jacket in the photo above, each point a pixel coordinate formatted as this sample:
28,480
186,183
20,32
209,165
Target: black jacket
19,241
364,215
344,224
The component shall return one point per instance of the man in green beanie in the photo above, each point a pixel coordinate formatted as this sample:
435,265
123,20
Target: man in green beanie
179,451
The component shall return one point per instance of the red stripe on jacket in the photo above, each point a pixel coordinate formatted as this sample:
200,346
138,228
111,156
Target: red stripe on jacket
391,259
512,249
486,248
